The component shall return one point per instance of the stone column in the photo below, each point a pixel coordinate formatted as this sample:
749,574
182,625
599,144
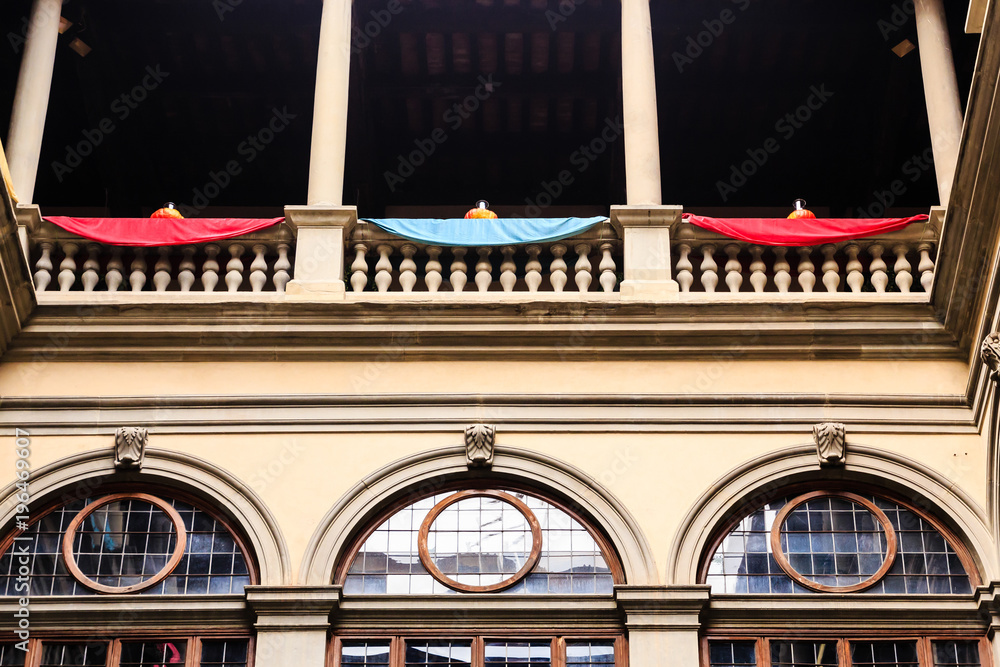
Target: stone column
645,232
31,100
320,237
663,624
292,623
944,108
642,142
329,132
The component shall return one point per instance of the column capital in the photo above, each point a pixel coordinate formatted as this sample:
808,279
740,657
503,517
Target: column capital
645,215
662,607
285,608
323,216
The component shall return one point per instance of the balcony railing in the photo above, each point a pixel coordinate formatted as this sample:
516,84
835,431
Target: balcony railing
640,254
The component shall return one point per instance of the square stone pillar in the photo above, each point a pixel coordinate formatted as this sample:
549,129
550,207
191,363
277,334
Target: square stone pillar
321,233
29,220
988,601
663,624
293,623
645,232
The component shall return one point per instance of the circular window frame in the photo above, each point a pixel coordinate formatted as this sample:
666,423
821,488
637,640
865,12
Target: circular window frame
785,565
434,571
70,537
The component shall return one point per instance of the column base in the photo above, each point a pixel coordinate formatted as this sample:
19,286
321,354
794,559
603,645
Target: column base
334,291
650,290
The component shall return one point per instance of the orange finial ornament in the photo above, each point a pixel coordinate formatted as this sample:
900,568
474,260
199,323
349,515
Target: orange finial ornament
169,210
800,210
482,210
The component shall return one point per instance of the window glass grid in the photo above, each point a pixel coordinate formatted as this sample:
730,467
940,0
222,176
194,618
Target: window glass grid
80,655
505,654
224,652
590,654
422,652
389,563
732,653
925,563
884,654
367,653
153,653
956,653
11,656
803,654
212,563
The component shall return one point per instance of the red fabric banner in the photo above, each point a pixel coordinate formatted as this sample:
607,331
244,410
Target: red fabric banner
148,232
800,231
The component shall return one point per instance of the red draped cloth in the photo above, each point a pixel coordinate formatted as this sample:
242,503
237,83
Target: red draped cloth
800,231
148,232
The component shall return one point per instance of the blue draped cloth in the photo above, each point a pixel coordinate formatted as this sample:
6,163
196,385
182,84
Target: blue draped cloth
485,231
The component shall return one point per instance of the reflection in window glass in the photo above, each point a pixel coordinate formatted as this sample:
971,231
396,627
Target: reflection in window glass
370,654
834,542
730,654
212,562
82,655
10,656
224,652
965,654
153,654
502,654
389,563
803,654
887,654
438,652
925,562
590,653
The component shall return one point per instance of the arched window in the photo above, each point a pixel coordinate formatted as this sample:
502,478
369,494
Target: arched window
818,542
506,541
125,542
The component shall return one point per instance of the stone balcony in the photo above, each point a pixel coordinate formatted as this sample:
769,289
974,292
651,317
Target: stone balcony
323,254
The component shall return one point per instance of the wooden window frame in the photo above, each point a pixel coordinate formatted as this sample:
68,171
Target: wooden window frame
192,656
499,486
397,644
924,642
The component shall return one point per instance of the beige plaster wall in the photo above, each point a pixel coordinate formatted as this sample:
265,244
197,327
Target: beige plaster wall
657,476
388,376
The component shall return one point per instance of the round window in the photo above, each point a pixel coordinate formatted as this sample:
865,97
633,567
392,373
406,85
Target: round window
480,541
833,542
124,542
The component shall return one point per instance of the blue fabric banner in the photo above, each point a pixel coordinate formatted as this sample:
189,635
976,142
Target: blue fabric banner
485,231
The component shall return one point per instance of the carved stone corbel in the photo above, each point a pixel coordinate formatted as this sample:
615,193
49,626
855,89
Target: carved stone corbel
831,443
479,442
990,353
130,447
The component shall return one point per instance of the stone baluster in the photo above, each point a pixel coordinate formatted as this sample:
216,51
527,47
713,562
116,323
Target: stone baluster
806,270
685,270
43,267
607,266
234,267
258,268
161,270
734,269
210,268
67,268
116,270
282,266
185,270
880,279
484,270
830,268
854,268
926,266
137,279
383,267
709,268
432,270
782,269
904,279
359,268
758,279
90,277
583,267
458,276
557,269
533,268
408,267
508,275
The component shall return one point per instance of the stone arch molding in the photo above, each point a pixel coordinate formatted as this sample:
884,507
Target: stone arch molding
414,476
170,469
893,472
